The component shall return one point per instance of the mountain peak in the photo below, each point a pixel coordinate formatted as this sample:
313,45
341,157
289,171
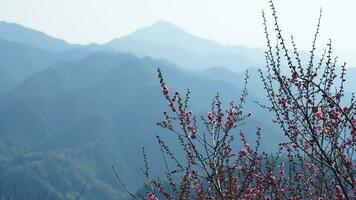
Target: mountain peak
165,33
159,29
165,25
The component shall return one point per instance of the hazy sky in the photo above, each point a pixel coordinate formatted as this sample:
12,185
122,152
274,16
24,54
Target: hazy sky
225,21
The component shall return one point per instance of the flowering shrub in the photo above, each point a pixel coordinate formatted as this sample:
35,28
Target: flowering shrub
310,108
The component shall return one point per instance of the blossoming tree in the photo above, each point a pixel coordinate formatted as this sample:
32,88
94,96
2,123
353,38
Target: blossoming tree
309,106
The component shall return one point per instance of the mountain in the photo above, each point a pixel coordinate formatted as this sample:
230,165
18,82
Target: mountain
165,33
16,33
19,61
161,40
70,112
95,112
165,40
25,52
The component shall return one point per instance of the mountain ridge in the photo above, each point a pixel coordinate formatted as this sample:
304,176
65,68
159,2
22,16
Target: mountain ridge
17,33
165,40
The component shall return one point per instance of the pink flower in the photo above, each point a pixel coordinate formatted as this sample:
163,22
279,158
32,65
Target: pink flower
335,115
243,153
193,131
345,109
309,101
281,170
213,165
189,113
338,96
242,134
339,194
318,115
164,123
231,111
349,141
247,146
354,121
151,196
295,75
165,91
227,151
210,116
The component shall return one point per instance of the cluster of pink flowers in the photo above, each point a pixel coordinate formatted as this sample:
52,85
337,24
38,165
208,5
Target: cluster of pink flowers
317,161
231,118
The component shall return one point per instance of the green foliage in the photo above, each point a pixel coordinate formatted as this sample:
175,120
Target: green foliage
53,174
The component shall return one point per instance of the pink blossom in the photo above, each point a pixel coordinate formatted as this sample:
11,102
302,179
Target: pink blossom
339,194
318,115
247,146
242,134
354,121
165,91
243,153
309,101
189,113
152,196
345,109
164,123
210,116
192,131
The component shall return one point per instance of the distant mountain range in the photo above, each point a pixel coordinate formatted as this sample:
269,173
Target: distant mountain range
68,112
165,40
162,40
16,33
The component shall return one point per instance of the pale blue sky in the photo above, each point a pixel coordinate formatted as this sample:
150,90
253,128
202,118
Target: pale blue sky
225,21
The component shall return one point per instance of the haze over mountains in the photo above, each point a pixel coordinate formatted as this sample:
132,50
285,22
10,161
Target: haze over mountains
160,40
16,33
68,112
164,40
